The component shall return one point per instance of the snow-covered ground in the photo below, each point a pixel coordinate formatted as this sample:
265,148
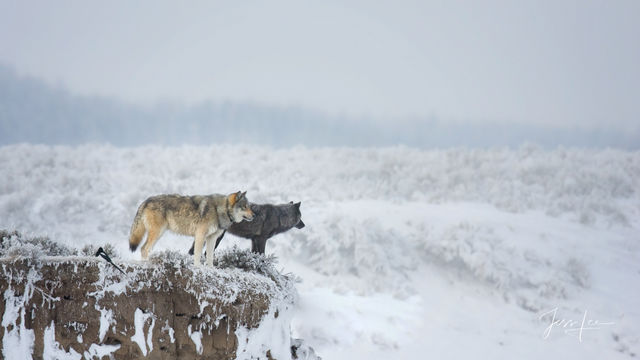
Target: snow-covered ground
406,254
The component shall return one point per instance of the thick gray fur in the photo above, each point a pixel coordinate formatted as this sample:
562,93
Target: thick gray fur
268,221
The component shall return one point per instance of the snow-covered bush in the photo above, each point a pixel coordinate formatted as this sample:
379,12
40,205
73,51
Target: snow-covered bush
91,250
14,244
246,260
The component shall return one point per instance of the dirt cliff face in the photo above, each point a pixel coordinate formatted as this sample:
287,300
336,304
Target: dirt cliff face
86,308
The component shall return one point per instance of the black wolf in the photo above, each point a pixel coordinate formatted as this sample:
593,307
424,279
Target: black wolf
268,221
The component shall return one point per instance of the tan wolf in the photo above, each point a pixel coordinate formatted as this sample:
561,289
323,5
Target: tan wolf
203,216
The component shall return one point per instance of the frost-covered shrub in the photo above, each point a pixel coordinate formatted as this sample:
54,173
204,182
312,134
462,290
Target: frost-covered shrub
367,257
518,267
578,272
13,244
233,258
170,258
248,261
91,250
27,251
476,250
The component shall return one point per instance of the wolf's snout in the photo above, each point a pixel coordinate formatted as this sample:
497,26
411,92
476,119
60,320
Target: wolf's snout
300,224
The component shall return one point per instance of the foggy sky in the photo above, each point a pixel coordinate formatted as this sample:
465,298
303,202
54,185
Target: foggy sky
573,63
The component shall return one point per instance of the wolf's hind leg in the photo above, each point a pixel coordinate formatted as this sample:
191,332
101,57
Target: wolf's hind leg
153,236
137,233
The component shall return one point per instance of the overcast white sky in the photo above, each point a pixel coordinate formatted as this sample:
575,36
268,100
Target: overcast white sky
535,62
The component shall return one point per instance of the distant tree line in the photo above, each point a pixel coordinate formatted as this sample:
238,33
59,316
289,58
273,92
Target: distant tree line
33,112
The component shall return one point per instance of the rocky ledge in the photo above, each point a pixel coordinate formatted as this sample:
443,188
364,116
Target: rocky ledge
73,306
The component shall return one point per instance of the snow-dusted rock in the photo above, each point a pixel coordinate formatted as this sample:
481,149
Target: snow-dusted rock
59,307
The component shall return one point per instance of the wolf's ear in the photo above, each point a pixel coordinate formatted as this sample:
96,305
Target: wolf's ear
297,205
242,195
234,198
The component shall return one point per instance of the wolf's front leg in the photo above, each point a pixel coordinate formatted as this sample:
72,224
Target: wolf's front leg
197,251
211,241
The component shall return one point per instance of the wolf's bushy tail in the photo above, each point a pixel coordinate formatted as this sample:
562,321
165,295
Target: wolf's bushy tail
137,229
